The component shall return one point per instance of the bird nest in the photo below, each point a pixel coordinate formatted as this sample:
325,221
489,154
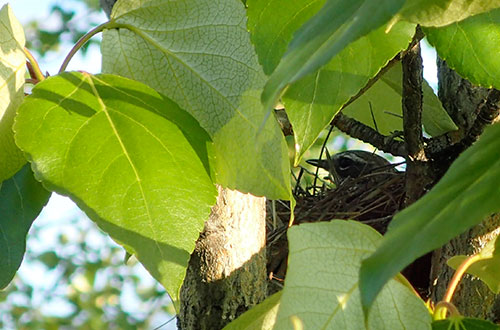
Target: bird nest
372,199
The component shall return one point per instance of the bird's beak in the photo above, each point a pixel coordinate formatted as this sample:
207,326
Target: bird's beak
314,162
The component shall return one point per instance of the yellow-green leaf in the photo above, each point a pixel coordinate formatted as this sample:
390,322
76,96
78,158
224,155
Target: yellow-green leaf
135,162
199,54
12,70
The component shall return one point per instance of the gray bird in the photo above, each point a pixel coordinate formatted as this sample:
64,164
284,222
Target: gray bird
353,164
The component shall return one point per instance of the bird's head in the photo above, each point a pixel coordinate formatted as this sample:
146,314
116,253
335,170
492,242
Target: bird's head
352,164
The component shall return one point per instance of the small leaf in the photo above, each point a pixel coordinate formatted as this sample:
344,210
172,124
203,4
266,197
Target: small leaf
443,12
465,195
260,317
333,28
467,47
21,200
313,101
12,71
385,98
463,323
199,54
321,287
136,163
487,268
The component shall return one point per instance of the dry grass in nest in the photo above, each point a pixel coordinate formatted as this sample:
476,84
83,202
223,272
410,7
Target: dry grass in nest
372,199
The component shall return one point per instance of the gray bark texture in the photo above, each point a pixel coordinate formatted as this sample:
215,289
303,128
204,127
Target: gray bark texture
472,298
227,271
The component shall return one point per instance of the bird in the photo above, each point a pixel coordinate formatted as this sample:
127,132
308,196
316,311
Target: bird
353,164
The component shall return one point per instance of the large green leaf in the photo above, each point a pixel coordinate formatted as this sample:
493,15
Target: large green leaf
198,53
333,28
12,70
313,101
487,266
465,195
385,98
260,317
321,286
21,200
136,163
469,47
443,12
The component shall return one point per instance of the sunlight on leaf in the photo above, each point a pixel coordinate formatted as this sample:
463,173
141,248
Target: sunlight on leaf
385,98
443,12
313,101
260,317
12,71
463,323
136,163
321,285
199,54
468,46
333,28
487,268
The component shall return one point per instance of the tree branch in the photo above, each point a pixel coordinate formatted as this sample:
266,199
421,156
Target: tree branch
447,147
417,177
367,134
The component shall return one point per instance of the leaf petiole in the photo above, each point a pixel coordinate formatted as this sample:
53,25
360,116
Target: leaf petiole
83,40
443,306
35,68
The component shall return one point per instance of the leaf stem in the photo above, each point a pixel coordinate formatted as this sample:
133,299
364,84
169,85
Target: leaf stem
441,312
79,44
34,65
442,307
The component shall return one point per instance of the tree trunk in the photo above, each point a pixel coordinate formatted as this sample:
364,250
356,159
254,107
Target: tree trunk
227,271
473,298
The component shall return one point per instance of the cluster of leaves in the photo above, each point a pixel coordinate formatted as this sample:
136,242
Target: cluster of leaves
179,109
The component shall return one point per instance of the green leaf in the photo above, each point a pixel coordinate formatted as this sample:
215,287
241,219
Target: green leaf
312,102
487,268
321,286
136,163
333,28
199,54
465,195
260,317
21,200
385,98
468,46
443,12
271,39
12,70
463,323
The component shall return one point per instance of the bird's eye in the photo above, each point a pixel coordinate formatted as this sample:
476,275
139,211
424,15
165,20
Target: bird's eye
345,162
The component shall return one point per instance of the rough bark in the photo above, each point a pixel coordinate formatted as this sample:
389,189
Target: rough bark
417,177
473,298
227,271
